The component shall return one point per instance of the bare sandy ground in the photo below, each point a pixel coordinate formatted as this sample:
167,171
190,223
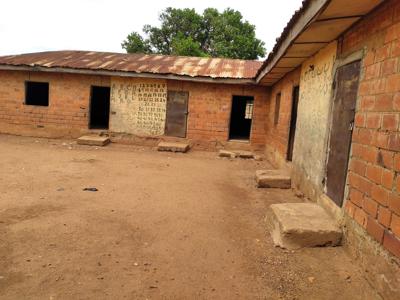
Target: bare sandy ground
160,226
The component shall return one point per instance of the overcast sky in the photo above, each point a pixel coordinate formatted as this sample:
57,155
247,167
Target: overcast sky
101,25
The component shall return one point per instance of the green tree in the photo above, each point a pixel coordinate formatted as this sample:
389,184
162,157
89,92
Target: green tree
134,43
185,32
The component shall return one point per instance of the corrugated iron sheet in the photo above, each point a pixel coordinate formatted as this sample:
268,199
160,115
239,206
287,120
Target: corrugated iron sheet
138,63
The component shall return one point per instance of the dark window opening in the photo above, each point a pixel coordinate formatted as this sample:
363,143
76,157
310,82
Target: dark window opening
37,93
241,117
293,120
99,107
277,108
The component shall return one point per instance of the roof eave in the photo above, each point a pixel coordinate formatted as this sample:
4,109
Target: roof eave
314,9
203,79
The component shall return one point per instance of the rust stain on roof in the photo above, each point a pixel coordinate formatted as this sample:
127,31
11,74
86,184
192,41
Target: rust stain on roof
138,63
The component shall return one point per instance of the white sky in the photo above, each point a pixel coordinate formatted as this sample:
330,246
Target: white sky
101,25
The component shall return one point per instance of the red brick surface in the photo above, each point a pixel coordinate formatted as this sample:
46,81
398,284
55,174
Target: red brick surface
374,178
68,100
69,94
210,109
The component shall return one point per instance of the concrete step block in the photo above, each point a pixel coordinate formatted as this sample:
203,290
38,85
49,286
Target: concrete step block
226,153
173,147
299,225
93,140
273,179
245,154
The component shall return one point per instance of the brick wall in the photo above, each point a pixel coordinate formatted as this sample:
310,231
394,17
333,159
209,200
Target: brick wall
69,94
276,138
374,169
210,109
67,113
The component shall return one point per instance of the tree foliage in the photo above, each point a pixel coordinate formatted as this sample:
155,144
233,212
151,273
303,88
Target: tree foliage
185,32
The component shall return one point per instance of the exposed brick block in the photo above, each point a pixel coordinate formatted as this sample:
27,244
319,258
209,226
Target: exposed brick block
390,122
395,48
380,139
387,179
395,225
396,163
370,206
393,83
398,183
373,120
350,208
360,183
369,58
392,33
359,120
373,71
358,166
384,216
367,102
380,194
356,197
375,229
374,173
391,243
396,102
394,202
385,159
360,217
384,102
389,67
394,142
382,53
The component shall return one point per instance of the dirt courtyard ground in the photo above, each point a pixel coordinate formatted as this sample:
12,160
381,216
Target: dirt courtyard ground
160,226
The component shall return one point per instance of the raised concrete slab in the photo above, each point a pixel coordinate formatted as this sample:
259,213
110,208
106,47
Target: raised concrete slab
226,153
173,147
245,154
273,179
236,153
93,140
299,225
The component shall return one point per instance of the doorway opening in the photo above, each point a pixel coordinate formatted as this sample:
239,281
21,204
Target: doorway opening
343,112
293,120
241,117
99,107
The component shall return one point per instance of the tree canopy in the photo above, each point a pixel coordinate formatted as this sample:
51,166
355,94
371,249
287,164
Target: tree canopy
185,32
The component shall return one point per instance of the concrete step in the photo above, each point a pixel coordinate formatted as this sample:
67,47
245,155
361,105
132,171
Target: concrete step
273,179
173,147
238,153
299,225
93,140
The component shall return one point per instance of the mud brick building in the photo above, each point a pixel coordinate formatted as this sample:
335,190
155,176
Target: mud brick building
133,96
325,104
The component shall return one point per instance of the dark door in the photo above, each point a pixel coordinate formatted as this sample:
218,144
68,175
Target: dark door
293,119
177,111
99,107
241,117
344,105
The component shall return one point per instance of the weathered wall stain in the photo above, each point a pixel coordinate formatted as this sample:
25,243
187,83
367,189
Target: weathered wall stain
313,115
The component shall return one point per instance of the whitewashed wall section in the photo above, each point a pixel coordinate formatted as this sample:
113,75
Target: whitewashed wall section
313,114
138,106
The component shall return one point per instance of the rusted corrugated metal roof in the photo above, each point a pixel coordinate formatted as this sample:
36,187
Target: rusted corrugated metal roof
137,63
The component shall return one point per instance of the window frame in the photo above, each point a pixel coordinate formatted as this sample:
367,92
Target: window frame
27,100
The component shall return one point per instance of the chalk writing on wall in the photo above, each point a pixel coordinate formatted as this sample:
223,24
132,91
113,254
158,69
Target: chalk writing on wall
138,107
